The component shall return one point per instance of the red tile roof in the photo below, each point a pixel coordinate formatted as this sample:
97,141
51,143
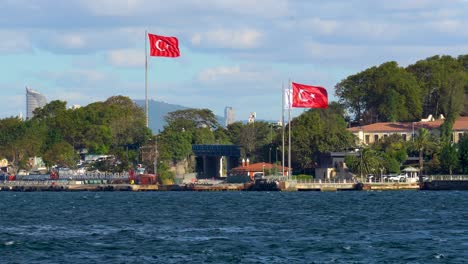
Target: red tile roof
257,167
460,124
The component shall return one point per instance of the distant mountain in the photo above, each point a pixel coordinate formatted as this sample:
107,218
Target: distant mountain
158,110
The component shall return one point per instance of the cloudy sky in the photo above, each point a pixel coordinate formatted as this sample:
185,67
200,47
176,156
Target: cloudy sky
233,52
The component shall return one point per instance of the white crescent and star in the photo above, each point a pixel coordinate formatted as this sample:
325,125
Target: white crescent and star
157,45
306,94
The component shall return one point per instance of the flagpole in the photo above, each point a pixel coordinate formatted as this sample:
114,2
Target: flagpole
282,126
289,136
146,77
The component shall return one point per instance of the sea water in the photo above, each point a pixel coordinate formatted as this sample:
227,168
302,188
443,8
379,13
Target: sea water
234,227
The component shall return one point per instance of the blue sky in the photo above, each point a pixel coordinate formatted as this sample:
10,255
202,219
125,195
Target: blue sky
234,52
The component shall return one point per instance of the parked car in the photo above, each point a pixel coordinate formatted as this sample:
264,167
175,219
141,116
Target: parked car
399,177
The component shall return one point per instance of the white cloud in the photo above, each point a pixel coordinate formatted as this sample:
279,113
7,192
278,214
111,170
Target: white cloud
228,38
118,7
70,78
409,5
127,58
71,41
13,42
129,8
322,26
451,26
232,74
219,73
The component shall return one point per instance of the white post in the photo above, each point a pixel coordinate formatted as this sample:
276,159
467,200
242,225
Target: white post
146,77
282,126
289,135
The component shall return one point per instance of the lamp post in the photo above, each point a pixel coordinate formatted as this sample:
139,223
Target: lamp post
360,163
269,155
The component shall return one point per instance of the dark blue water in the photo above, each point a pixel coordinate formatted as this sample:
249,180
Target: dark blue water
234,227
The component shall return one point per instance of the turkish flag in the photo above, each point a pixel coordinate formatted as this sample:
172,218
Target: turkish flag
309,96
163,46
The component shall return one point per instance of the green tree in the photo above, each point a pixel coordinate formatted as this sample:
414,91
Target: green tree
203,135
18,142
221,136
61,154
175,145
193,118
443,79
253,138
370,162
316,131
463,153
384,93
421,143
449,158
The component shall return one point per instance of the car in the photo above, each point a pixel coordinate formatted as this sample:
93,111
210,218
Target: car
399,177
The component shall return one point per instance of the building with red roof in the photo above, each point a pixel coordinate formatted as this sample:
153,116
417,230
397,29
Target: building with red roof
371,133
249,171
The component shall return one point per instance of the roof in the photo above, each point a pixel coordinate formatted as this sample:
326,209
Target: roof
461,124
410,169
258,167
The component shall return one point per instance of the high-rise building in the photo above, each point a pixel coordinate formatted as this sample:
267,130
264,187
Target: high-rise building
229,116
33,101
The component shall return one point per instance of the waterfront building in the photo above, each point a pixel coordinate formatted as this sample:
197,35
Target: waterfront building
33,101
247,172
229,115
371,133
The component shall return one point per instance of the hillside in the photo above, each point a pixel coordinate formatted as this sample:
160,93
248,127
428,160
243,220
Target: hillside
158,110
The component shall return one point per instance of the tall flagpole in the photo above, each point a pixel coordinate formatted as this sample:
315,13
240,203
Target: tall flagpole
282,125
146,77
289,135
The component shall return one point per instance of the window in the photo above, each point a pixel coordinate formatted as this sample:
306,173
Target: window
403,136
367,139
385,135
376,138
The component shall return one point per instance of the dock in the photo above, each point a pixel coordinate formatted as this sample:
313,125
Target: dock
319,185
445,182
439,182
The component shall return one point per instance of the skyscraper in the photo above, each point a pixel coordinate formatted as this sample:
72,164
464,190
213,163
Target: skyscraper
33,101
229,116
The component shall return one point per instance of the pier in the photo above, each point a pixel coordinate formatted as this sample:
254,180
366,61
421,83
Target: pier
319,185
445,182
436,182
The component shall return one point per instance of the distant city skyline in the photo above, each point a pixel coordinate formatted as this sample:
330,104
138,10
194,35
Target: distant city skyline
237,53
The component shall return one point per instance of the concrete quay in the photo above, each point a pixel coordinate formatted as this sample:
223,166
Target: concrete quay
21,186
293,185
439,183
389,186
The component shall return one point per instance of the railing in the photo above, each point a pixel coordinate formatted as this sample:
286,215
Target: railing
35,183
447,178
305,181
93,175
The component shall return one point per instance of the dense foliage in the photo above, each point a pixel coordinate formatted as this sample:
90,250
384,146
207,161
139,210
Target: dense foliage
434,86
115,127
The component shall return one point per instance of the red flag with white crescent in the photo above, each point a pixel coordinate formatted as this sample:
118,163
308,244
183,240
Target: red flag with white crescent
163,46
309,96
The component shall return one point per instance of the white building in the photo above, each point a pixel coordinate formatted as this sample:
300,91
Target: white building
33,101
229,115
